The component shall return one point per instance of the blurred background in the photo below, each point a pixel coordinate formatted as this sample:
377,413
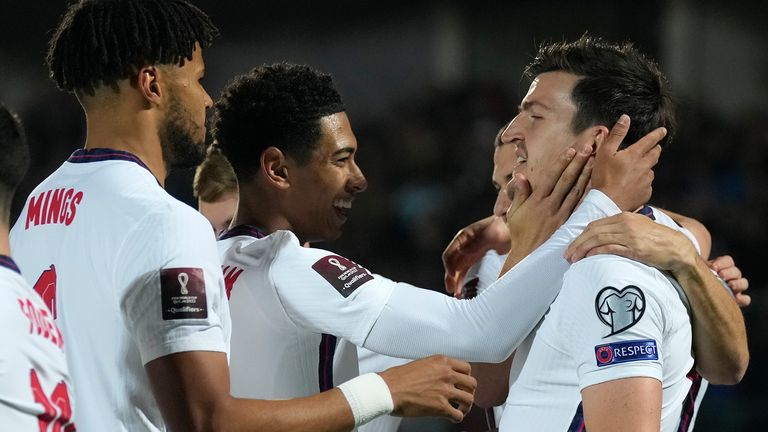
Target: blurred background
427,85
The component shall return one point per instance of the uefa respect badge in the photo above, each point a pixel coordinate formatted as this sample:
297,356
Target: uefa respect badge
626,351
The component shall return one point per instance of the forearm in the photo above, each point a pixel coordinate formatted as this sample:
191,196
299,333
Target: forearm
492,382
489,327
719,334
325,412
192,392
699,231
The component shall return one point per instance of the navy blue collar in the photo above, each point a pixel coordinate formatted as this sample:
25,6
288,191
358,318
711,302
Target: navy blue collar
7,262
243,230
106,154
647,211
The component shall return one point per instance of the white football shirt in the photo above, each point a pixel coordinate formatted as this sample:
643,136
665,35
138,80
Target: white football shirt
285,312
131,273
286,299
614,318
35,390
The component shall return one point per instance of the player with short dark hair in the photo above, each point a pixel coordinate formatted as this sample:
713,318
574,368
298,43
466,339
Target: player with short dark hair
139,291
35,390
615,349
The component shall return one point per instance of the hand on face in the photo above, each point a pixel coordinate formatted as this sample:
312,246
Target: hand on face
534,215
626,176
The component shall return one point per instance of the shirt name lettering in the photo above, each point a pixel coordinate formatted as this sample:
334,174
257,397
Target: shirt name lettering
55,206
40,322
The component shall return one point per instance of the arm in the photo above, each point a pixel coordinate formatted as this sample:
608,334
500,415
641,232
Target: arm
719,333
724,266
699,231
192,390
629,404
522,295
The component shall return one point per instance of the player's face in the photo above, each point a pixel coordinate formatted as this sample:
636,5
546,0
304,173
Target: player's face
542,128
182,133
220,212
504,163
322,190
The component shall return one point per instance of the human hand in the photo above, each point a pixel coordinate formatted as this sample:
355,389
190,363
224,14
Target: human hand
534,215
636,237
626,176
468,247
726,268
434,386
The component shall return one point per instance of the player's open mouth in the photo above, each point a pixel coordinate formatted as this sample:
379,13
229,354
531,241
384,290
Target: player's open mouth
342,207
522,155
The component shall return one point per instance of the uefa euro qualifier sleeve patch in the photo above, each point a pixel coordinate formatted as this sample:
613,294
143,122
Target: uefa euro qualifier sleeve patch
345,275
620,309
183,293
626,351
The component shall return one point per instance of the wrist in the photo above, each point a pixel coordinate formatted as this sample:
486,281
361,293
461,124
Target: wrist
689,268
368,396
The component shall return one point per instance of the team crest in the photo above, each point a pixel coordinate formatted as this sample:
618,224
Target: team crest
620,309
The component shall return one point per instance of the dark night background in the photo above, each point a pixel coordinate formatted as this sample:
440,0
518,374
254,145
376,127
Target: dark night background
427,84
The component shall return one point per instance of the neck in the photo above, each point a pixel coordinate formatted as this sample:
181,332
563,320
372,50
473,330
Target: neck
5,244
122,126
259,208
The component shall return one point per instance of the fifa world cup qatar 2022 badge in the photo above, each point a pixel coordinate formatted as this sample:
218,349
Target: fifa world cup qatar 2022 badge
183,293
345,275
620,310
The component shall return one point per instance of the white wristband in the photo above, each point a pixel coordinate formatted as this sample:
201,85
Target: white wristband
368,396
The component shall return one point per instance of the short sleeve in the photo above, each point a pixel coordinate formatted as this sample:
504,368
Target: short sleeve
611,318
172,288
327,293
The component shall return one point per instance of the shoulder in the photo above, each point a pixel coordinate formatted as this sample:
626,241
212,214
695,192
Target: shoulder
611,275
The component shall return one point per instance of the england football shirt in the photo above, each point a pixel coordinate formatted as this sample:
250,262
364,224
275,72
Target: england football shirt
289,303
35,390
286,301
614,318
131,275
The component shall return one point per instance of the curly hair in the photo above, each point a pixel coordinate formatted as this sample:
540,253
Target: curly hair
14,157
100,42
276,105
616,80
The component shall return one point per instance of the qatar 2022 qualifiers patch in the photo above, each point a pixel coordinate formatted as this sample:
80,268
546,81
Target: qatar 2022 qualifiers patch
345,275
626,351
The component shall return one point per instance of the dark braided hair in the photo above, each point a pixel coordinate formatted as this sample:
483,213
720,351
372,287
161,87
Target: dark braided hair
100,42
278,105
14,157
616,80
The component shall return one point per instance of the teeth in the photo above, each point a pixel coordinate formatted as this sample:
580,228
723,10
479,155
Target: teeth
521,159
346,204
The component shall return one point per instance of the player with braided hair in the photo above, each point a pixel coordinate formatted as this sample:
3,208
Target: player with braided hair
138,288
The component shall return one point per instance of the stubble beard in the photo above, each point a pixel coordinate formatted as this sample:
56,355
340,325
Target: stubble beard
180,148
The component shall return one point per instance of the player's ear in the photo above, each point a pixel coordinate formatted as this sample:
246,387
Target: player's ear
274,167
147,82
598,135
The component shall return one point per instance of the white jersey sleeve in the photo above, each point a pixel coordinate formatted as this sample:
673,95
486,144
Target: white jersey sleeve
175,301
327,293
612,318
489,327
484,272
